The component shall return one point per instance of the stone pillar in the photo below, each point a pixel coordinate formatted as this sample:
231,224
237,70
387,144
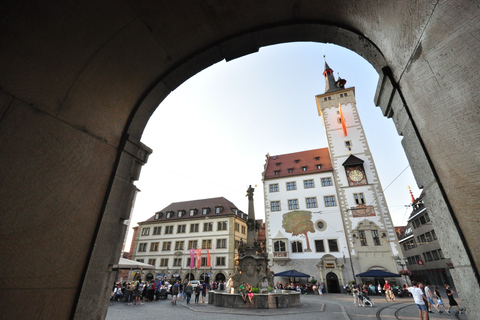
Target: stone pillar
390,100
106,246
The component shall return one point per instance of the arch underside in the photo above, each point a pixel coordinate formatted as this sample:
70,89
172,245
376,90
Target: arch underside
80,81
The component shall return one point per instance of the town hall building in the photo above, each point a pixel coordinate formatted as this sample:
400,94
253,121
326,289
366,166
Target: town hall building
326,214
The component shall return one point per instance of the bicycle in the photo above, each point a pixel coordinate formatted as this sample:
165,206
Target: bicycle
389,296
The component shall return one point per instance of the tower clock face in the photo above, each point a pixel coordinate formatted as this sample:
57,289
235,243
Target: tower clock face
355,175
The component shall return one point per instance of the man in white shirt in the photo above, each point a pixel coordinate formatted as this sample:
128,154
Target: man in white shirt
419,297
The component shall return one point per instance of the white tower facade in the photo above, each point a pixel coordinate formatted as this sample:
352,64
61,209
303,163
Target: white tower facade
368,225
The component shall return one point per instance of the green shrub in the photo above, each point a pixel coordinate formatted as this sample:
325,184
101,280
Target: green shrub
270,289
255,290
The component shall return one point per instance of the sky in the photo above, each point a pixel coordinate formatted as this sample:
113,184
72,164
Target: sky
210,136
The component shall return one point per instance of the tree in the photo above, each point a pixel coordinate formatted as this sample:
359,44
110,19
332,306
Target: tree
298,223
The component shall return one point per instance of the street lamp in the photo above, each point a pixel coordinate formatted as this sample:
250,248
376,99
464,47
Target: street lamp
402,263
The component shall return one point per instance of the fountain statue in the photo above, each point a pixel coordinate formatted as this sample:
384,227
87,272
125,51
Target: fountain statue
252,262
252,267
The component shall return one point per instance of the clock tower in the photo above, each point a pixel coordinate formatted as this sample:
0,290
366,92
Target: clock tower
371,238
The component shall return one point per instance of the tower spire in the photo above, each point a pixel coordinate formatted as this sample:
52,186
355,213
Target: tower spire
330,83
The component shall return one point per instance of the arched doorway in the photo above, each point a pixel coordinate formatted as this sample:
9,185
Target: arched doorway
333,285
190,276
104,68
220,277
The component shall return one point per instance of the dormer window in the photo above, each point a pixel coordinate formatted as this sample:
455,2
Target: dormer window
277,172
278,164
169,214
205,211
304,168
192,212
218,209
181,213
317,158
297,161
319,166
290,170
158,215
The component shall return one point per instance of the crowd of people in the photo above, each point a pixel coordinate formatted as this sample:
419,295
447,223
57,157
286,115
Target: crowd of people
138,292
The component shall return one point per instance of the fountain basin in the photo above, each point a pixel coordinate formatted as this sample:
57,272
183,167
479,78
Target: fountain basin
260,300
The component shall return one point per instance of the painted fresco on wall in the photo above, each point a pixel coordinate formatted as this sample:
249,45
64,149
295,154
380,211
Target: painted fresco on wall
299,223
363,211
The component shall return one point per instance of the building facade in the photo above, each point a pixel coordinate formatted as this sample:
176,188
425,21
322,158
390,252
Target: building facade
213,228
420,247
326,213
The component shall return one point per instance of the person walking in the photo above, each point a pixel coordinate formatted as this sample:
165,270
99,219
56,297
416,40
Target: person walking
451,301
198,289
419,297
428,294
204,291
188,291
175,291
439,303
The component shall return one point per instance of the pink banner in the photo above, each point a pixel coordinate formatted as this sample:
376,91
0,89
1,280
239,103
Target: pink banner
199,257
192,258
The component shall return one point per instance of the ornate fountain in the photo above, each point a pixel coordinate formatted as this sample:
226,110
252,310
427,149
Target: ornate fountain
252,267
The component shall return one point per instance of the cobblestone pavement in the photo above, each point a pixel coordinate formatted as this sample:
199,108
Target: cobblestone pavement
328,307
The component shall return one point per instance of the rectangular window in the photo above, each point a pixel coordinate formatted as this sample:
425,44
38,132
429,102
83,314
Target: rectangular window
237,243
304,168
429,256
329,201
164,262
168,229
192,244
308,184
423,220
221,243
188,262
275,205
145,231
244,230
207,244
428,237
192,212
311,202
194,227
177,262
435,255
363,238
326,182
319,246
207,226
140,260
427,217
297,246
218,209
274,187
142,247
154,246
319,166
422,239
152,261
221,225
167,245
376,239
181,228
333,245
203,262
293,204
220,261
440,253
279,246
291,185
434,235
277,172
157,230
205,211
359,199
179,245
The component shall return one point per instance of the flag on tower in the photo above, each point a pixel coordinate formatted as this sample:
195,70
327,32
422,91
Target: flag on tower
344,126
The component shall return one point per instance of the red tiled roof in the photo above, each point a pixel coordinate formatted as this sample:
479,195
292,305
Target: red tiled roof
212,203
296,161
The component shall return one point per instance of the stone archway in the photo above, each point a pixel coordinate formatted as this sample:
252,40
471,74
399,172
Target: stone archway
76,97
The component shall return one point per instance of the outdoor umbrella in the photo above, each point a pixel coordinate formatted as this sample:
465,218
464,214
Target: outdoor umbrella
292,274
130,264
374,273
